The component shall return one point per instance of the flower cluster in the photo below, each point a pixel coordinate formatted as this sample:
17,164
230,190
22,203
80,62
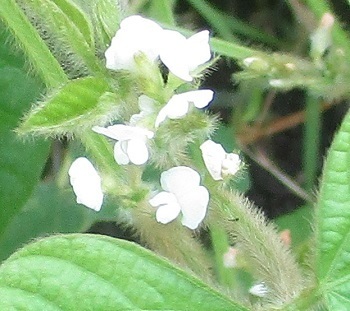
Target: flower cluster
182,192
140,35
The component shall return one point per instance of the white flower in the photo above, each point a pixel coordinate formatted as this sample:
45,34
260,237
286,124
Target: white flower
86,183
182,194
136,35
183,55
179,104
131,145
140,35
218,162
259,290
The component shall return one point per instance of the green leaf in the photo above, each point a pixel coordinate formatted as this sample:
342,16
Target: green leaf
298,222
333,223
77,106
49,210
87,272
21,162
69,25
78,18
108,16
28,39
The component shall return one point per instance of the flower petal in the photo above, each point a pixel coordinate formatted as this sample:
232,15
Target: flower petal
136,34
200,98
168,207
176,108
123,132
213,154
194,206
231,164
198,49
179,180
174,54
137,151
120,155
86,183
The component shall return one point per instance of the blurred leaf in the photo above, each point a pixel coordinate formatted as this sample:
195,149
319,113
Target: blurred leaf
333,223
108,16
87,272
298,222
49,210
21,162
80,104
162,11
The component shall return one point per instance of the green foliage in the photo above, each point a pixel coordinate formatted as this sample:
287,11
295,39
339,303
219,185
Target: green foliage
69,29
77,106
85,272
22,162
106,16
333,223
48,211
30,43
101,273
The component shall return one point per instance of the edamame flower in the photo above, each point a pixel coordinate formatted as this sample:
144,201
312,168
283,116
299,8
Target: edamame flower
182,193
86,183
131,145
179,104
136,35
182,55
218,162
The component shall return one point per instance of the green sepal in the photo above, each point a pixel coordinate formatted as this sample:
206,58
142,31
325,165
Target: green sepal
91,272
76,107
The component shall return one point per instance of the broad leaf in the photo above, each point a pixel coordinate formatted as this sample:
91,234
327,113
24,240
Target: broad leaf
78,105
49,210
333,223
87,272
22,162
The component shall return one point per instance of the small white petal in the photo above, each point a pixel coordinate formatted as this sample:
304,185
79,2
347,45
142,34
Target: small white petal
231,164
137,151
200,98
86,183
259,290
123,132
198,49
120,155
176,108
179,179
174,54
178,105
182,55
161,117
194,206
168,207
136,34
213,155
